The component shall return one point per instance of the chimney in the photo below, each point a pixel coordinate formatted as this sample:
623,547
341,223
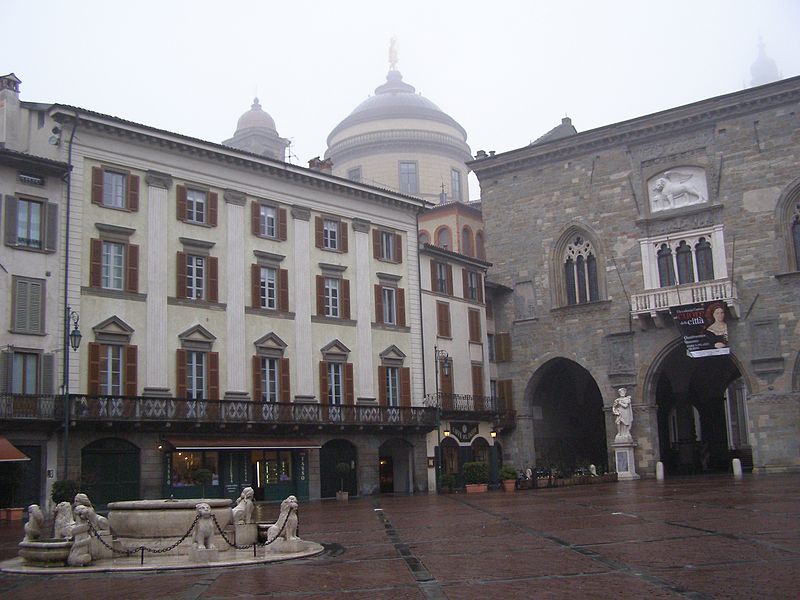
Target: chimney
9,111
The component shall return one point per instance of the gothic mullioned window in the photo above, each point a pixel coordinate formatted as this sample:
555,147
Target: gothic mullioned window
580,272
692,260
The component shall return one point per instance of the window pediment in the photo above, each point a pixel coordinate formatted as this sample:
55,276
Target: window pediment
113,330
392,357
335,351
270,345
197,338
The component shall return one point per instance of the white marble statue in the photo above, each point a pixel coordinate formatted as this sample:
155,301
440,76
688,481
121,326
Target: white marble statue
243,511
624,415
286,525
63,520
204,528
674,189
99,522
33,528
79,554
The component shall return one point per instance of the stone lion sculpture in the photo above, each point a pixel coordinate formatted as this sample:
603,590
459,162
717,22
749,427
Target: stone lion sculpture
286,525
243,511
675,188
63,520
204,528
33,528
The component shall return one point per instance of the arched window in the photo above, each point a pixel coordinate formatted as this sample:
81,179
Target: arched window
424,237
479,245
684,259
580,272
466,241
705,261
443,238
666,270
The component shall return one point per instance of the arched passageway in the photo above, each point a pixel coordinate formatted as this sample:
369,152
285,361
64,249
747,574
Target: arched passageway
396,467
110,470
332,453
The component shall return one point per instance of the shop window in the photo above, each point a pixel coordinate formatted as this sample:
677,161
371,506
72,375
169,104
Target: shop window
188,468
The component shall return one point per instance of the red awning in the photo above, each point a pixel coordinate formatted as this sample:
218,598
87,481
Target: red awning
9,452
232,443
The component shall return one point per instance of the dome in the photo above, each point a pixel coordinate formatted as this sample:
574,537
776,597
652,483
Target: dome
255,118
764,70
256,133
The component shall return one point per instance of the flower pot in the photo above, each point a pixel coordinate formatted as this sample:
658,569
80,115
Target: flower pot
477,488
14,514
342,496
509,485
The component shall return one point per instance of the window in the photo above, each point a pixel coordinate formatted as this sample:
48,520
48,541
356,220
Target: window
424,237
25,374
195,206
705,262
195,375
114,188
330,234
112,265
480,248
268,288
195,277
443,238
354,174
29,223
267,220
335,384
387,245
112,366
269,379
197,368
186,464
441,277
392,387
473,288
331,297
455,184
389,305
28,306
692,260
443,319
666,268
197,273
408,178
271,466
580,272
111,370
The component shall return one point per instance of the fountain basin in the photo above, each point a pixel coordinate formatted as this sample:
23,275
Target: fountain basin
51,552
162,518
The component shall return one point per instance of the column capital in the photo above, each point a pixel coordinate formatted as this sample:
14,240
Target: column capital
301,214
158,179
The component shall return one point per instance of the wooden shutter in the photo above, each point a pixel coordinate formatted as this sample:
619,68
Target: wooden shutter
449,290
477,387
343,236
131,370
504,392
11,221
502,347
51,230
282,224
489,308
255,218
95,262
180,276
180,373
212,286
376,244
213,375
6,372
446,384
405,387
323,382
93,384
286,383
398,248
382,400
255,285
474,318
443,319
378,303
283,289
349,396
133,193
318,232
434,279
320,295
257,391
479,279
97,185
401,307
132,271
213,199
465,283
345,298
48,374
180,204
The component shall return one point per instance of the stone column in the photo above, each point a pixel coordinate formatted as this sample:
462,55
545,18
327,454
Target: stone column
304,367
156,380
365,388
236,368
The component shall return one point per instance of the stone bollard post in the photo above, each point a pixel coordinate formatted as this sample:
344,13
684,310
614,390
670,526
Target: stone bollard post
660,471
737,468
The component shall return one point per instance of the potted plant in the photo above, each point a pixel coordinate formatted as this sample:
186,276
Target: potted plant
343,471
64,490
508,475
203,477
447,482
476,477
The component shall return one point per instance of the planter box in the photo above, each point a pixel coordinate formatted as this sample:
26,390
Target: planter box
509,485
342,496
14,514
477,488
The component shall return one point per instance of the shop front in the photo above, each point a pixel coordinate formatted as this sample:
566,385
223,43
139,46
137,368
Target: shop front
222,467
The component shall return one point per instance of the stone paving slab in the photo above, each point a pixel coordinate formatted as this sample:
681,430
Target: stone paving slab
698,538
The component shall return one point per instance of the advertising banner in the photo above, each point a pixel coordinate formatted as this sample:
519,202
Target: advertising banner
703,328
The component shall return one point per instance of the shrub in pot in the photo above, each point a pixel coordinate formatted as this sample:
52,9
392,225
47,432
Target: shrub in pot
447,482
342,470
476,476
508,475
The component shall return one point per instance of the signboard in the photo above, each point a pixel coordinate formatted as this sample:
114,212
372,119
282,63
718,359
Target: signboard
703,328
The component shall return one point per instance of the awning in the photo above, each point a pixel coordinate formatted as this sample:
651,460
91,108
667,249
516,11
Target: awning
232,443
9,452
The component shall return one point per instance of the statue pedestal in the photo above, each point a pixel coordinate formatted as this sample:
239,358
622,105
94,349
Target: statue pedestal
203,555
626,463
246,534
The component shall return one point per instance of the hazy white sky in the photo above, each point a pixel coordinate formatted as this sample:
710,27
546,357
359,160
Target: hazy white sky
507,71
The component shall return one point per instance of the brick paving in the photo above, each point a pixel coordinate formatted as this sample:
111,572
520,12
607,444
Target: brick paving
698,538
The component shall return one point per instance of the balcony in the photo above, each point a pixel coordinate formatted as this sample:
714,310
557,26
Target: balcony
654,305
468,407
175,414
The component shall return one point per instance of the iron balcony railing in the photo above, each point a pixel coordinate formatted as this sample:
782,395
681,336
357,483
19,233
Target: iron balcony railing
464,406
85,408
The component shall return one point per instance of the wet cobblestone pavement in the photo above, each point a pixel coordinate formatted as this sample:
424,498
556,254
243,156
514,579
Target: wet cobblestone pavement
698,538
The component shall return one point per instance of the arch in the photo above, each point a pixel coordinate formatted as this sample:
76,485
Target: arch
787,221
110,470
332,453
480,246
578,267
396,466
424,236
443,238
480,449
467,247
451,462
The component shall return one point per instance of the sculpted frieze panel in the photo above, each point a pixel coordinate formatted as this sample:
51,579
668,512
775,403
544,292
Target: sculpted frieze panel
676,188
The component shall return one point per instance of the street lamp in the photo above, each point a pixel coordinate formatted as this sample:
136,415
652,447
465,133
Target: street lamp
72,339
440,355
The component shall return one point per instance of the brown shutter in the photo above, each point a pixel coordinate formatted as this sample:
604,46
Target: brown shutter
180,195
434,280
95,262
343,236
51,227
180,276
255,218
382,385
318,232
405,386
465,283
97,185
349,396
255,285
180,373
213,199
504,391
401,307
257,391
282,224
320,295
323,382
93,387
286,384
502,347
474,325
213,375
449,291
345,298
477,387
213,279
378,303
446,384
131,370
11,221
479,278
376,244
398,248
283,289
132,279
133,193
443,319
